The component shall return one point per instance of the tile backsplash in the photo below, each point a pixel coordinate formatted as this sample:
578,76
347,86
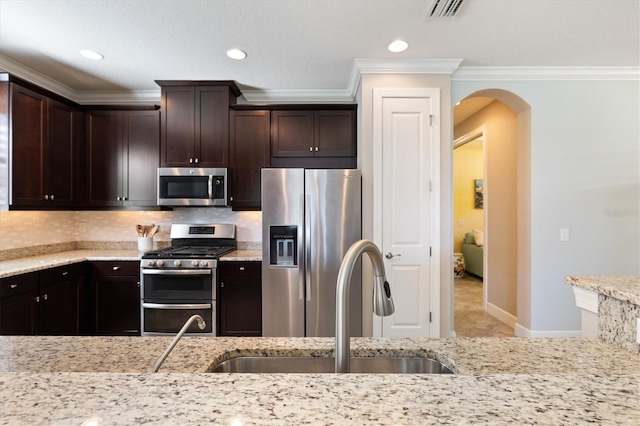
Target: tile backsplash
20,229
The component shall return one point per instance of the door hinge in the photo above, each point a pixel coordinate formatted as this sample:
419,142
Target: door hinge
430,186
429,251
431,119
430,317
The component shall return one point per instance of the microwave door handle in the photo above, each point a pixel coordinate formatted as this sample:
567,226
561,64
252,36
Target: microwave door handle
176,305
210,187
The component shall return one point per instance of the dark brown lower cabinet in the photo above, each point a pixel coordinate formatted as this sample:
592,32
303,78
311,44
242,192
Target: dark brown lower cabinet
240,299
60,300
115,290
48,302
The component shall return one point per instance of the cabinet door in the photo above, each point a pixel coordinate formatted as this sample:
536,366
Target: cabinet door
115,294
116,305
59,308
19,314
211,126
240,299
28,133
104,157
335,133
60,156
178,131
141,133
292,134
249,142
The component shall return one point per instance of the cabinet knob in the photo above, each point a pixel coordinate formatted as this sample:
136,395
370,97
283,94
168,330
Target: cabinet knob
37,299
13,286
46,197
51,197
310,149
316,149
124,198
190,160
197,161
116,268
242,268
221,284
45,297
65,273
118,199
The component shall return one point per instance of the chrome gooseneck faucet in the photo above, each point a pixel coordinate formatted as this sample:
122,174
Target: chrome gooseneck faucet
382,301
201,325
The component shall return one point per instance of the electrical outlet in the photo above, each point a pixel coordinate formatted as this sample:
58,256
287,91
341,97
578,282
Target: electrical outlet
564,234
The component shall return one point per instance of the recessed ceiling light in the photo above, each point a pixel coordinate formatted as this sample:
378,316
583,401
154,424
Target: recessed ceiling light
91,54
236,54
398,46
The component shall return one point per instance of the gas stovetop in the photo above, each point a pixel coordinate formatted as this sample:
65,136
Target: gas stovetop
193,246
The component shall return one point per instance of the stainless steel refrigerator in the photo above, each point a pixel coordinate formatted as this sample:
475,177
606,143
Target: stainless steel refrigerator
310,218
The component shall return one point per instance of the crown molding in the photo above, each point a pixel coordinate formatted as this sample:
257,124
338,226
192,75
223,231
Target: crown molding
87,97
360,67
546,73
298,96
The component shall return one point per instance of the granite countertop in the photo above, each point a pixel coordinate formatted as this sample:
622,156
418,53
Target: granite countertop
26,264
624,288
67,380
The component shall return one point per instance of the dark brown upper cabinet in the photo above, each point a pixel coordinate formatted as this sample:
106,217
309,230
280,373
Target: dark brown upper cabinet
324,133
122,157
195,122
249,136
46,143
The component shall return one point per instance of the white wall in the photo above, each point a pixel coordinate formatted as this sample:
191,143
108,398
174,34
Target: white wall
585,176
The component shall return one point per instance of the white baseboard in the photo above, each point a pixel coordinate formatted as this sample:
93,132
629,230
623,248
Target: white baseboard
521,331
501,314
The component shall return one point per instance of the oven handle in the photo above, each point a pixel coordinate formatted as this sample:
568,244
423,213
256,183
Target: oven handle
176,271
176,306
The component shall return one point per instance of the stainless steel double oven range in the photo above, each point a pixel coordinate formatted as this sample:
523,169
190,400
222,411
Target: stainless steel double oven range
180,281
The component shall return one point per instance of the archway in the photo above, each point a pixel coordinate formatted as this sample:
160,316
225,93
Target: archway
510,246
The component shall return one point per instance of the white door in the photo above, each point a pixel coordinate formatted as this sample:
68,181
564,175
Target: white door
406,182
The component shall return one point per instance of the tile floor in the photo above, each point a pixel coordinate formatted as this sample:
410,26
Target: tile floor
470,319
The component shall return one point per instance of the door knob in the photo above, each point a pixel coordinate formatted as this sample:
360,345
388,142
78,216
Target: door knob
391,255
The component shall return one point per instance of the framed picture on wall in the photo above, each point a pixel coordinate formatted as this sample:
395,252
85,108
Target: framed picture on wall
478,200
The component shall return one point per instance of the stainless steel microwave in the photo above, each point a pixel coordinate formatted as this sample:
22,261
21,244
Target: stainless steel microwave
184,186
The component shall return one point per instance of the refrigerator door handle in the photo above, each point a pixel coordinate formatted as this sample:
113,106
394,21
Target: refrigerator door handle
301,251
307,243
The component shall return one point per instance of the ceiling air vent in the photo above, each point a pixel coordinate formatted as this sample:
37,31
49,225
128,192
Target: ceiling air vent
444,8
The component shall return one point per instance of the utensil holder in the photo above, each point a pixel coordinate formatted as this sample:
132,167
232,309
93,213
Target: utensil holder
145,244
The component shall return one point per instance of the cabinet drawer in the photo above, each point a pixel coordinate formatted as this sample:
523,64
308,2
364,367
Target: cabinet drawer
62,273
115,268
10,286
240,269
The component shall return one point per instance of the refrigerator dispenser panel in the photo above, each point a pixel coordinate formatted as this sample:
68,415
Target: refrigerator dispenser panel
284,245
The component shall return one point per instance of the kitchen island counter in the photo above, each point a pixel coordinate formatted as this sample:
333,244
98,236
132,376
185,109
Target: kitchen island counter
67,380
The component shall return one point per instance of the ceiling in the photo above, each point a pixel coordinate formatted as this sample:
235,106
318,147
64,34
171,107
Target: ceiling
307,47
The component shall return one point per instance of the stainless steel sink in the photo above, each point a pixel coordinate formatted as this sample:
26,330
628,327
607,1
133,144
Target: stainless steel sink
375,365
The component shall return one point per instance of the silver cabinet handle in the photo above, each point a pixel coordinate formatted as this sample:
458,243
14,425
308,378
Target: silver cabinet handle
13,286
51,197
391,255
45,297
116,268
65,273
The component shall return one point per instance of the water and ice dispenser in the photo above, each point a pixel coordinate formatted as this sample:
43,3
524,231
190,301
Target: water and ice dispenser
283,242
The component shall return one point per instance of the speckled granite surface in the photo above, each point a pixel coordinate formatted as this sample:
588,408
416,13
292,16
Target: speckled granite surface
625,288
618,307
500,382
30,263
